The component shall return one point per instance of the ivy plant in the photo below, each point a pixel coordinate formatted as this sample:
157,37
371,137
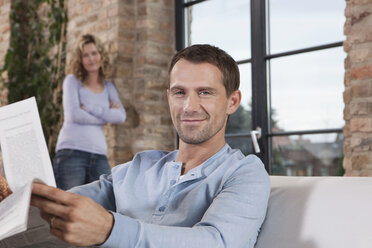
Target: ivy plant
35,60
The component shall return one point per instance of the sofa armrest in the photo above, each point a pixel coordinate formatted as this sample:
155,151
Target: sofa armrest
318,212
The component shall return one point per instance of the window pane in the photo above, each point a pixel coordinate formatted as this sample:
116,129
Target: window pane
308,155
225,24
298,24
306,90
246,85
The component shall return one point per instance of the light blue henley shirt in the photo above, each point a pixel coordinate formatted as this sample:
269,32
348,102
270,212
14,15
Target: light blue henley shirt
220,203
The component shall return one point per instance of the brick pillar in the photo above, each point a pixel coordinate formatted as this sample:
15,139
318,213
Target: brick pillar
358,88
139,36
4,43
154,47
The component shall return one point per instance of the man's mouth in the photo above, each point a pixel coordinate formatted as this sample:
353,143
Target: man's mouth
191,120
188,118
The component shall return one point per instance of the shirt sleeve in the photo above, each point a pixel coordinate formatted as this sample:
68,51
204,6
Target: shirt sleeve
71,104
232,220
100,191
110,115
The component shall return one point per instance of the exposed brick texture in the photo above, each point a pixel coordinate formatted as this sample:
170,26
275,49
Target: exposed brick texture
139,36
358,88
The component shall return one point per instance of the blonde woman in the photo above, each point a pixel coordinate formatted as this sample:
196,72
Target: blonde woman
89,102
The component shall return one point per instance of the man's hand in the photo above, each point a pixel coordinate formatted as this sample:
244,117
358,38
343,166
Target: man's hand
75,219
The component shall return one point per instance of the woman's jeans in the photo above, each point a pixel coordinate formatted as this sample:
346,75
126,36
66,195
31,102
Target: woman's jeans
73,167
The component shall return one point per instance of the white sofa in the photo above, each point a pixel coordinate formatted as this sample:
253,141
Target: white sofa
318,212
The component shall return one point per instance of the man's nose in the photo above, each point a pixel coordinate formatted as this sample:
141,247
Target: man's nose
191,103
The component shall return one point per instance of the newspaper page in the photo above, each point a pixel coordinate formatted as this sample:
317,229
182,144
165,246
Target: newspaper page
14,212
25,159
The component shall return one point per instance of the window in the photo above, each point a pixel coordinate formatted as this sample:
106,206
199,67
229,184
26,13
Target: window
290,58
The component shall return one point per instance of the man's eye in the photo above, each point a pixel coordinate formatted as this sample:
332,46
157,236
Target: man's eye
179,92
205,93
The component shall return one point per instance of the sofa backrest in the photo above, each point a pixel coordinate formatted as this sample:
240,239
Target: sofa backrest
318,212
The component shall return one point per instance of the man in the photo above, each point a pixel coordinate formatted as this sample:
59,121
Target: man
203,195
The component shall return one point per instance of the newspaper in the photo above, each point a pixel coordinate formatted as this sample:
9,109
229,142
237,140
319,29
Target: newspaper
25,160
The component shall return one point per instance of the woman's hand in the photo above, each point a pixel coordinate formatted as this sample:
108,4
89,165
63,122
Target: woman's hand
115,105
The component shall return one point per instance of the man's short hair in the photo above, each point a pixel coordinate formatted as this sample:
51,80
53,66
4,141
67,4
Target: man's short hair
203,53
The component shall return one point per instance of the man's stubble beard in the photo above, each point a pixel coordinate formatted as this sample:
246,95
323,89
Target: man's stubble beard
203,135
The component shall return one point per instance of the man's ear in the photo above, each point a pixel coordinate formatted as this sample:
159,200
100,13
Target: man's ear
234,102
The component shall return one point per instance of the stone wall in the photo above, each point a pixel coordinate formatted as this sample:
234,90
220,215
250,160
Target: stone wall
358,88
139,36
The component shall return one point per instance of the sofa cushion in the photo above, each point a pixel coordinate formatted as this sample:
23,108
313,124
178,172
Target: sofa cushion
318,212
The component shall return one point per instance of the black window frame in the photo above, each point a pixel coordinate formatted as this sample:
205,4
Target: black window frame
260,64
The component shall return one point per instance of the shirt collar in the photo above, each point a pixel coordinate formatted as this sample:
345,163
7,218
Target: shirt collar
204,169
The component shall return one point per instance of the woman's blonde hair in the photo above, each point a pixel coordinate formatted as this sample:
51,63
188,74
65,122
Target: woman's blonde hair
76,66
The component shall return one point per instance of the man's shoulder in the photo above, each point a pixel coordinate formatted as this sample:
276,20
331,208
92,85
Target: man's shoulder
149,158
152,155
244,171
244,164
231,162
237,157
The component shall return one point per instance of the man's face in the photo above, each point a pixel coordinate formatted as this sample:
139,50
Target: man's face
198,103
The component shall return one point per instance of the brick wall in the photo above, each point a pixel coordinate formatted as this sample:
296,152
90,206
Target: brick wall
358,88
139,37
